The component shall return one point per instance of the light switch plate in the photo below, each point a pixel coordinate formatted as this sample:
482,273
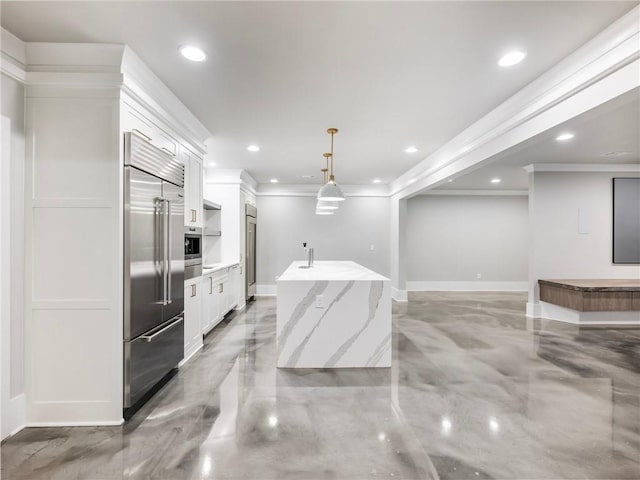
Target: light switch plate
319,301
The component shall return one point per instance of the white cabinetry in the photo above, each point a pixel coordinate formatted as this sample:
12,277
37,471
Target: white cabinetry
134,120
214,300
193,188
221,296
193,306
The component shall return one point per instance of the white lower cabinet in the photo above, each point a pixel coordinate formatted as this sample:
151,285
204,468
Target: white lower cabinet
193,305
220,296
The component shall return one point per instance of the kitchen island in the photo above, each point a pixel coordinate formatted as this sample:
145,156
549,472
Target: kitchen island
336,314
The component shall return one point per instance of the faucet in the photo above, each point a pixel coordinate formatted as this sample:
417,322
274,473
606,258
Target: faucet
310,255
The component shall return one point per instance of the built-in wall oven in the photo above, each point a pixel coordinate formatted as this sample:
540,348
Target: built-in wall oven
192,252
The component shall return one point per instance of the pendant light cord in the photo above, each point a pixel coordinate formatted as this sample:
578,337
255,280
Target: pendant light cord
331,155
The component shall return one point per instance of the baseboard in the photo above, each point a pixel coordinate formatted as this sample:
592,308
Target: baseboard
190,356
549,311
17,413
467,286
113,423
533,310
266,290
399,295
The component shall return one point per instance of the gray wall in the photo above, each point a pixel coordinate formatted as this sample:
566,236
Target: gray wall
562,245
454,238
285,222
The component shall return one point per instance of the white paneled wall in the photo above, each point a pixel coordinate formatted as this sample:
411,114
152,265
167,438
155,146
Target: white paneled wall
74,261
12,399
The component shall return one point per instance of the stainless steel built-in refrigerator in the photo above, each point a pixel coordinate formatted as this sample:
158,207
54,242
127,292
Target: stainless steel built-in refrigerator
251,216
153,266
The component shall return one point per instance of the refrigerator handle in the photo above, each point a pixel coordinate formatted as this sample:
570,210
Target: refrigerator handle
168,251
163,202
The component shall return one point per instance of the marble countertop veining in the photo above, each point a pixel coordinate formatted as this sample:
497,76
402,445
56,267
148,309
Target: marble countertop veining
328,270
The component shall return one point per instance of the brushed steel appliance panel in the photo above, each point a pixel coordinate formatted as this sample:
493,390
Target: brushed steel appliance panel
143,269
175,250
192,268
142,154
251,230
150,357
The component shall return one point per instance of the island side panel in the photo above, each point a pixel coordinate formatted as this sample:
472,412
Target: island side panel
351,329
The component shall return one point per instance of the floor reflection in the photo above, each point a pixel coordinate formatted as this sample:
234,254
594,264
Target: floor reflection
476,391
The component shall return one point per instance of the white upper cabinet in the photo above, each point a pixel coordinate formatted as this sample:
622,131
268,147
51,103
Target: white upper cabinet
193,215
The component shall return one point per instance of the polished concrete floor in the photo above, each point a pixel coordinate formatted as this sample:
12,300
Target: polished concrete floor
476,391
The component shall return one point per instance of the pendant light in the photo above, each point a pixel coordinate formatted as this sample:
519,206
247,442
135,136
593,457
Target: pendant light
326,204
325,207
331,191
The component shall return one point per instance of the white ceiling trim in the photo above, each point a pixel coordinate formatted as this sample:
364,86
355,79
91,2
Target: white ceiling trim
99,66
13,58
499,193
578,167
231,177
311,190
611,51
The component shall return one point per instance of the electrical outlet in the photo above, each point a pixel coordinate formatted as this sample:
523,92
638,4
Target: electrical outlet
478,276
319,301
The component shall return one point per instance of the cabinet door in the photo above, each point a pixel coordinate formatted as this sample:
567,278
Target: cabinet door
206,304
195,184
192,318
185,158
132,120
235,286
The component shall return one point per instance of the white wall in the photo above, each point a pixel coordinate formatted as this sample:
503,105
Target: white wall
558,250
451,239
285,222
12,191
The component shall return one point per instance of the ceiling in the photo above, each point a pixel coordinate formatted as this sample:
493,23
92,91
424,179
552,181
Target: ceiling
278,74
608,134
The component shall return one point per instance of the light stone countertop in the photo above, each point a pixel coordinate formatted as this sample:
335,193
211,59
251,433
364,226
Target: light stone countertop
328,270
209,269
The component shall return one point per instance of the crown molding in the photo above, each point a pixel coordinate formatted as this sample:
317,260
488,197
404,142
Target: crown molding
239,177
13,56
582,167
100,65
484,193
603,68
311,190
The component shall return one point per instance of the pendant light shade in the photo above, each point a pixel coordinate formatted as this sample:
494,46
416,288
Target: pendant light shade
326,205
331,192
324,212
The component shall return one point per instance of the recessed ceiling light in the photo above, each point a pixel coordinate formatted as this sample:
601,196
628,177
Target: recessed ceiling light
377,180
617,153
253,148
411,149
563,137
274,180
211,164
192,53
495,180
450,180
512,58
